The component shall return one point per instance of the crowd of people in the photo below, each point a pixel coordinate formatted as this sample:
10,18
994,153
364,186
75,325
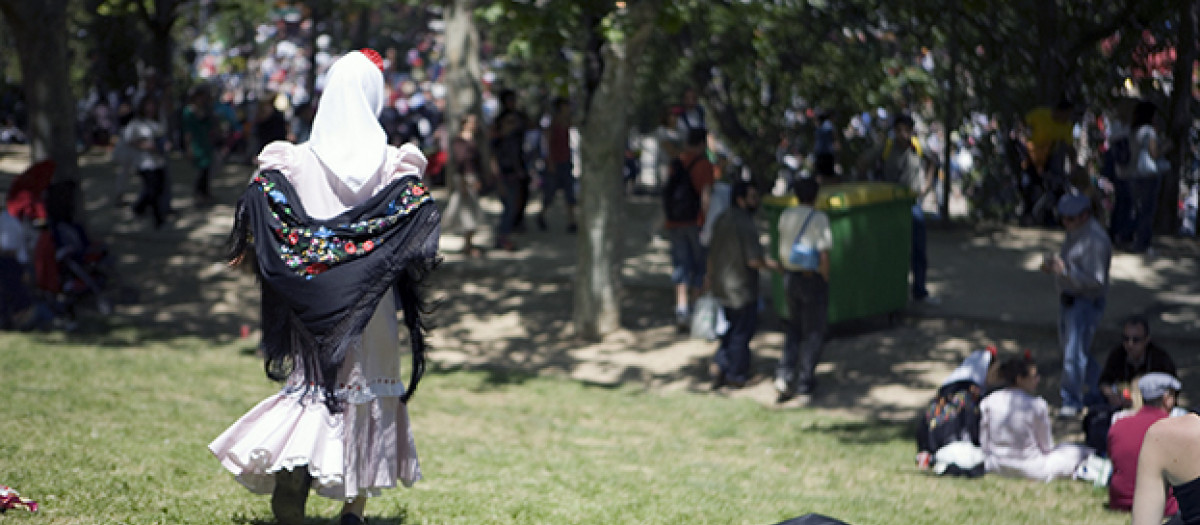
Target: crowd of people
374,131
987,417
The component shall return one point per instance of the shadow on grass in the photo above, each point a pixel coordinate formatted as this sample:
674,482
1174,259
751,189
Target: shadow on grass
400,519
869,432
509,314
494,377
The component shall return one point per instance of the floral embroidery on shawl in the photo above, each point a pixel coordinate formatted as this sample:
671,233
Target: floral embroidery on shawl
310,252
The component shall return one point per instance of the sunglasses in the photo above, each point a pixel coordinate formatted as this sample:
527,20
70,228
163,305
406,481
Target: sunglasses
1129,339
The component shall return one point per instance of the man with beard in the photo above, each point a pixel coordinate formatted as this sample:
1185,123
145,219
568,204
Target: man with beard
735,257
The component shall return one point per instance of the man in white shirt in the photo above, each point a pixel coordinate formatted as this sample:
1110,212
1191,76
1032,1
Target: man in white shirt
804,244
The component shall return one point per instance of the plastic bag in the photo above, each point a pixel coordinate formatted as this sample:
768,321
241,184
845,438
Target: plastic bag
704,321
1146,165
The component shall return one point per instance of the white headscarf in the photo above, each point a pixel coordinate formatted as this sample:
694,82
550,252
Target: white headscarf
346,134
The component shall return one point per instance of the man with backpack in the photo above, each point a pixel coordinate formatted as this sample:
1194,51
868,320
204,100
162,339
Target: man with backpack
685,203
805,241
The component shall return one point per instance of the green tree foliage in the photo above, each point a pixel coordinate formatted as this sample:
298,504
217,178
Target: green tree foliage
756,63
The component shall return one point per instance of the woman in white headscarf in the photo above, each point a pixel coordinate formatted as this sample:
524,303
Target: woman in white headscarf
342,231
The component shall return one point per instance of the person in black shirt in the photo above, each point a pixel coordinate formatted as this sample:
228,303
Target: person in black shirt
1137,355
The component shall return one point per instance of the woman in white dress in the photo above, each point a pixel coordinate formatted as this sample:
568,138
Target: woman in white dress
341,231
1015,430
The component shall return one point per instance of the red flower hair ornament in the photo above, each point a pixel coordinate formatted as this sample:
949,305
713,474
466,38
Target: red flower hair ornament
373,56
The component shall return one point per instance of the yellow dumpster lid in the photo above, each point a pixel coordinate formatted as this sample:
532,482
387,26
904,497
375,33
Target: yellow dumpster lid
847,195
854,194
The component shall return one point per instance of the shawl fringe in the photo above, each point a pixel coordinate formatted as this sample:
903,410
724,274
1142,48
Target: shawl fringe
289,344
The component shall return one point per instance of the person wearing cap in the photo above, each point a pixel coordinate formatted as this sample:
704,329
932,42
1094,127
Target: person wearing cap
1159,393
1080,271
1170,459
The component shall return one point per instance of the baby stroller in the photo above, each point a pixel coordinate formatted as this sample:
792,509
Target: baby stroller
27,193
68,265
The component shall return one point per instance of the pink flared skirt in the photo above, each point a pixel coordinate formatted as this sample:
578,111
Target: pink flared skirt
366,448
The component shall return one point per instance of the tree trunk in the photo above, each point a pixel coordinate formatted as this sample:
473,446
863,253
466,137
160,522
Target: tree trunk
162,49
1049,62
39,30
948,122
462,77
1166,218
318,13
605,132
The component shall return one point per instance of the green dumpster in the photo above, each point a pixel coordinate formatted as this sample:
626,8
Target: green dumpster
872,236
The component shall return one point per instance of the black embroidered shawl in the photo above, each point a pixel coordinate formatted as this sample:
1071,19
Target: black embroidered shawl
322,279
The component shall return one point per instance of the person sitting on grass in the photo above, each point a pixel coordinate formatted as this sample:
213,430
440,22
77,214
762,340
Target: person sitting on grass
1169,460
953,414
18,308
1135,356
1015,429
1159,393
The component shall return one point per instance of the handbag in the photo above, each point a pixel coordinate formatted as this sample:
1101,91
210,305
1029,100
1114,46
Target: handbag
704,321
802,254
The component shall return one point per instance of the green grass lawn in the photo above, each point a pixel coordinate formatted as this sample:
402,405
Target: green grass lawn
114,430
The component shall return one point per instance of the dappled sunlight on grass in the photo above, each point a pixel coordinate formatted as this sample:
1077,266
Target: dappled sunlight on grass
522,422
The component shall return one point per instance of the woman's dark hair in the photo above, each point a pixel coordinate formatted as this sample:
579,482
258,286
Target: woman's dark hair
1015,368
1143,114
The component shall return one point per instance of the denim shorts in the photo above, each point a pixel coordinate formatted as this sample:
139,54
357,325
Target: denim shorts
688,257
558,177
